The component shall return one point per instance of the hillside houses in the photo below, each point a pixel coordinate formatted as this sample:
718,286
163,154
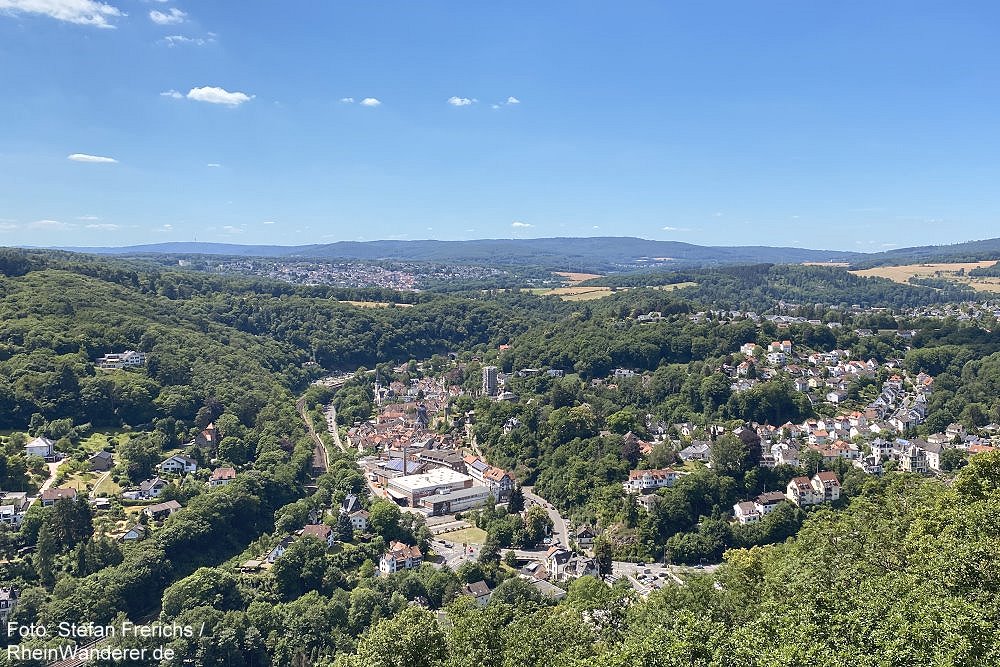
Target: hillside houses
647,481
823,487
398,557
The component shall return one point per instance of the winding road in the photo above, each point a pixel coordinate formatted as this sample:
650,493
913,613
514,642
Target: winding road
560,532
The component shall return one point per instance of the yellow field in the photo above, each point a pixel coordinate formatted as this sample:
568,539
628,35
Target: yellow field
839,264
947,271
579,293
586,293
577,278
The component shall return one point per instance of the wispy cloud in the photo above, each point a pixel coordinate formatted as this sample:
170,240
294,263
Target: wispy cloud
461,101
371,102
80,12
94,159
7,226
172,16
347,100
506,103
216,95
213,165
175,40
89,218
104,226
164,228
172,94
521,225
230,229
668,228
54,225
268,222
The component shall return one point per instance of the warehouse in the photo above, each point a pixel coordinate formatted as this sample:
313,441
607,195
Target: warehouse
455,501
409,489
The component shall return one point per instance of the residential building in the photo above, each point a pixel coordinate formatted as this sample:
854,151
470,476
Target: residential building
585,536
221,477
696,451
497,480
178,464
912,458
102,461
799,491
480,590
161,510
133,534
50,496
400,557
152,488
8,602
126,359
321,532
359,520
279,549
746,513
644,481
491,382
40,447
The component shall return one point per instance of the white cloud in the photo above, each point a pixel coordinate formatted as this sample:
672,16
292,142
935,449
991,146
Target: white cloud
172,94
83,157
50,224
230,229
104,227
87,217
268,222
521,225
174,40
461,101
347,100
7,226
172,16
512,100
166,227
668,228
371,102
216,95
81,12
213,165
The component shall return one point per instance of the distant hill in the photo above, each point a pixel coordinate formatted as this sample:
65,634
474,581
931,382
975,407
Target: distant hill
593,254
583,254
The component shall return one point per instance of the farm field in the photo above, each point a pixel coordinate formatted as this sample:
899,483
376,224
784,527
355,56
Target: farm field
953,271
589,293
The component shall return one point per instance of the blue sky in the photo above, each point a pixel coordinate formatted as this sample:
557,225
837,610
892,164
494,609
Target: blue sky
842,125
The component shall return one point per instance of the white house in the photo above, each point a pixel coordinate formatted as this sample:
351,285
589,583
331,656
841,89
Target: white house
40,447
400,557
178,463
644,481
359,520
126,359
221,477
321,532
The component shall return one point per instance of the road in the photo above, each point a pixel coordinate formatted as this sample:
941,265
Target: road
560,532
53,470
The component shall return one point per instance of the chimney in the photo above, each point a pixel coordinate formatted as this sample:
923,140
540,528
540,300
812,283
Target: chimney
406,450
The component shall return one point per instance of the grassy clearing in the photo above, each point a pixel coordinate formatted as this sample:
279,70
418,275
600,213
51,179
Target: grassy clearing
471,535
676,286
376,304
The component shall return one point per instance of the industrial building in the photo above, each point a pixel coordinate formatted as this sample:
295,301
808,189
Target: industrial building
409,489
